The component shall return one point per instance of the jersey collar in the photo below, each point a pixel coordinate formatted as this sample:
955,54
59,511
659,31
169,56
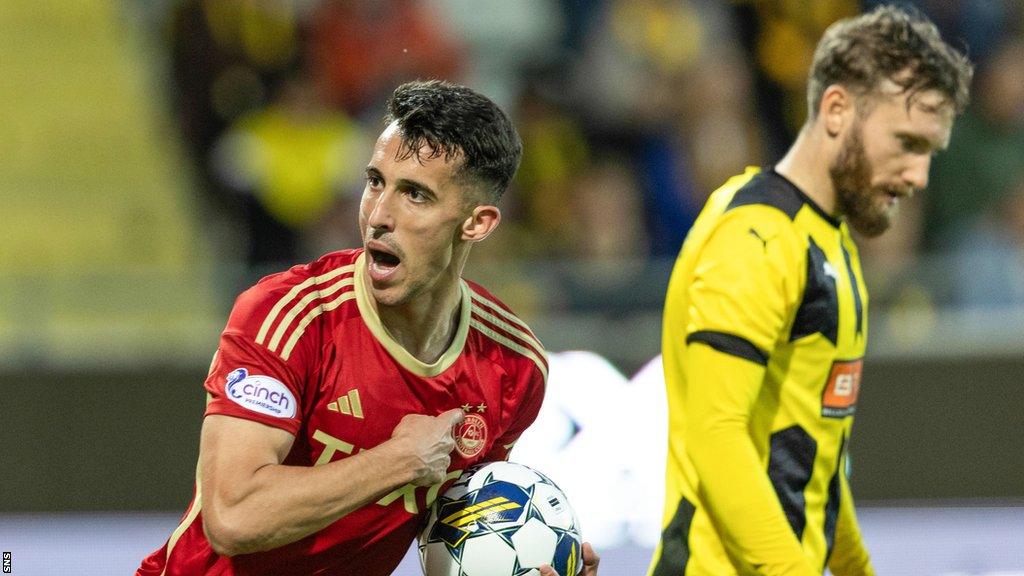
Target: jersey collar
400,354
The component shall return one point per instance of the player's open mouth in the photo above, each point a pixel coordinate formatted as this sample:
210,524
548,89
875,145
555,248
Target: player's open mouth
384,258
894,195
383,262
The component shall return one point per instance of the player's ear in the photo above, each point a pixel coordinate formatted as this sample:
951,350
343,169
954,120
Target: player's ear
837,109
481,223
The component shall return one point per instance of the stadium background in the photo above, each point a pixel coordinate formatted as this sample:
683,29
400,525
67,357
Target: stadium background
156,156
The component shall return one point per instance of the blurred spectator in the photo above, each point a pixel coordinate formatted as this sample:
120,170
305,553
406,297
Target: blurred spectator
555,152
226,57
985,160
360,50
295,161
989,260
717,119
608,224
779,39
502,39
657,84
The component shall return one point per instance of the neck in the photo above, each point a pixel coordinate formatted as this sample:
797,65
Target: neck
807,165
426,326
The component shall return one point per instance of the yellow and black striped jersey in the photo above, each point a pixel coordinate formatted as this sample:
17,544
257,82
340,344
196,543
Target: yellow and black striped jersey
765,327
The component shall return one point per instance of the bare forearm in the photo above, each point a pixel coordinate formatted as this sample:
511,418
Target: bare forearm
281,504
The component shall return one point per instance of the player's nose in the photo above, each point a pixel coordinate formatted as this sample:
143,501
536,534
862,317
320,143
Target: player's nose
916,173
380,214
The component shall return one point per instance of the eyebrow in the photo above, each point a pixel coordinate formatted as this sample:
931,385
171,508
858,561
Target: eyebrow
403,182
917,140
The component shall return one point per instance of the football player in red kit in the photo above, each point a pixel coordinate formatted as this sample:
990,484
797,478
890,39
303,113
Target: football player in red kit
347,393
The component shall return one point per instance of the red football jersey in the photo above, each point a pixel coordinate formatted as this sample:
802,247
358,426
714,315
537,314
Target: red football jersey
305,351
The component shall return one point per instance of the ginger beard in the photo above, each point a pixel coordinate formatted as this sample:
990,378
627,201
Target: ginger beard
870,210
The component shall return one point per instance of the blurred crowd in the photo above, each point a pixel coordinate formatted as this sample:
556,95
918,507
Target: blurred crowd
631,113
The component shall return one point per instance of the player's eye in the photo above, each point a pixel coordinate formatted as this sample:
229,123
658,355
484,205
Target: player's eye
915,145
416,195
374,181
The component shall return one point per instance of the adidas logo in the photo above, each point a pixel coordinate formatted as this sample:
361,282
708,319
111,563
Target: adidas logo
348,404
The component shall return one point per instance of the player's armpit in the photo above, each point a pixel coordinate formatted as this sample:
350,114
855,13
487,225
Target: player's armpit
733,484
849,556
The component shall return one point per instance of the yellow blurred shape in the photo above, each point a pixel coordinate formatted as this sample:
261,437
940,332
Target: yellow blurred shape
91,184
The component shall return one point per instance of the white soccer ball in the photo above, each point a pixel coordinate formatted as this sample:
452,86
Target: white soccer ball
501,519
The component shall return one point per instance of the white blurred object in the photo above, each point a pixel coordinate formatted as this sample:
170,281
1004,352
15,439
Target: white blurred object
602,439
646,461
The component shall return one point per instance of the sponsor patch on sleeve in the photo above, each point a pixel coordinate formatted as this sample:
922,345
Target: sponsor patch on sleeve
840,396
261,394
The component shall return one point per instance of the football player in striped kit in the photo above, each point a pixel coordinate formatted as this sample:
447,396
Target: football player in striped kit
347,393
766,312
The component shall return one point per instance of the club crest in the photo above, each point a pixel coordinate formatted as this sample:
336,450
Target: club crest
470,435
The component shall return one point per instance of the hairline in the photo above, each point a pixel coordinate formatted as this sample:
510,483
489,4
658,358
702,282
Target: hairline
480,193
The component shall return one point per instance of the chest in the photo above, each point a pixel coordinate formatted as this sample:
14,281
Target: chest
834,299
361,394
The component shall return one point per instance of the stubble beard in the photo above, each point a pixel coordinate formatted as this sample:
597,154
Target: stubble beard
856,199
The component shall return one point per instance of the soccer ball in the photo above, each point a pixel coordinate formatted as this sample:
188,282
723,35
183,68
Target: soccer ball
501,519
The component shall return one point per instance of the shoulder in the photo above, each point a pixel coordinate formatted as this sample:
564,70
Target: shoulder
768,190
758,209
498,324
282,305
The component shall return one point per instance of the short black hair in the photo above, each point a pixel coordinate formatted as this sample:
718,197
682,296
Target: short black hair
888,43
454,120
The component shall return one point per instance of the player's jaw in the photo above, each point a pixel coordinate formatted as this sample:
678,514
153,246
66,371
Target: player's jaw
870,207
396,276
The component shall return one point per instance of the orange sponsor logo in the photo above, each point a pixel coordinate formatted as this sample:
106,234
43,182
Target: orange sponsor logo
840,396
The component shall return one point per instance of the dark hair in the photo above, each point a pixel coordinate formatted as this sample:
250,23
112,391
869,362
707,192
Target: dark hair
453,120
888,43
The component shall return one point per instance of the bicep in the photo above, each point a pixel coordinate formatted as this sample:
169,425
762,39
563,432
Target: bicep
231,451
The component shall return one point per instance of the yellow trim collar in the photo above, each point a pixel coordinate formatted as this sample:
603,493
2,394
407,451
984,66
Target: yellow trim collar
400,354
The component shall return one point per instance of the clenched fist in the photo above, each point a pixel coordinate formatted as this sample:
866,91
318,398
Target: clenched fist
426,441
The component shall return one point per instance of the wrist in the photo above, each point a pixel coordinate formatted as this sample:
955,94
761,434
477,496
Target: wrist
393,460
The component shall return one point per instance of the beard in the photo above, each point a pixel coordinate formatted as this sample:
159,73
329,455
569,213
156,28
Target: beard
856,198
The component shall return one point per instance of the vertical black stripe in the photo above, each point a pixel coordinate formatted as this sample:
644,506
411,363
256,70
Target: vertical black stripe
856,290
832,505
789,468
819,306
675,542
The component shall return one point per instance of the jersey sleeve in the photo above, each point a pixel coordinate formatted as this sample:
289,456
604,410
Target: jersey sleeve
742,293
745,283
524,413
246,379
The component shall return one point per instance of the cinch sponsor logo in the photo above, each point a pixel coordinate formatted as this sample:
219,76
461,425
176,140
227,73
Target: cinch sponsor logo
261,394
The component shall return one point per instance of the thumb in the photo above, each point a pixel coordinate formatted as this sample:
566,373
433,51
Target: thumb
454,416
